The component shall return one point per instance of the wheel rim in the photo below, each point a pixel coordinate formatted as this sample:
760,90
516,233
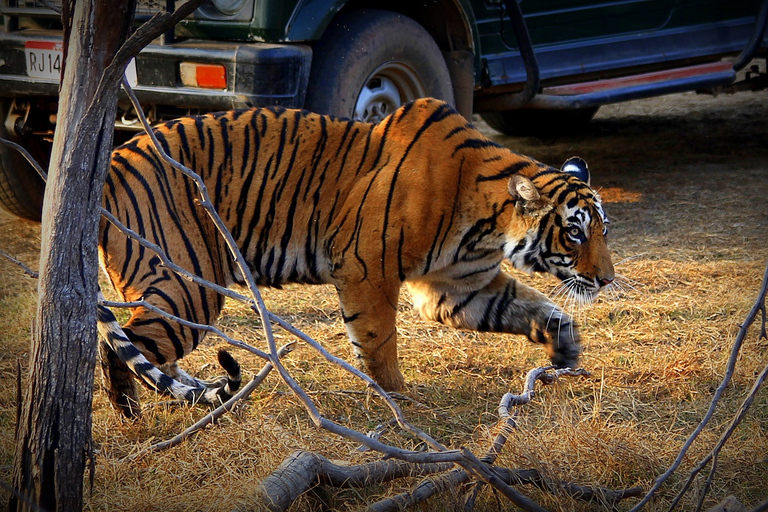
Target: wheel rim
388,87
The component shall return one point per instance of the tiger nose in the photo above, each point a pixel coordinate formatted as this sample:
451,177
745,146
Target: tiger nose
604,281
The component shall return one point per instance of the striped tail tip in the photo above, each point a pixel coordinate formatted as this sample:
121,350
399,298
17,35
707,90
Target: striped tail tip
232,367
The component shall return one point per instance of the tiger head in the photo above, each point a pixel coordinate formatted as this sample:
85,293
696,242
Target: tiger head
566,228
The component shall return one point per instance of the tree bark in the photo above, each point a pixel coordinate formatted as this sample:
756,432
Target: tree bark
53,436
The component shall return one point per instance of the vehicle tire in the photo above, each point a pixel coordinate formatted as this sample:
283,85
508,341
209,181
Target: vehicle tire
539,122
21,188
369,62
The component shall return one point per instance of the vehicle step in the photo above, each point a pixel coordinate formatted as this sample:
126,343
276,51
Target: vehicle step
641,79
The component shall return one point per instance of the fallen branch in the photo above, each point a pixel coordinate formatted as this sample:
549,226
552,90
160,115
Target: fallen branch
491,477
608,497
428,488
529,390
303,470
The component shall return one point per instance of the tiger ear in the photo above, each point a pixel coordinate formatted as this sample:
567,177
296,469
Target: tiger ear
577,167
528,199
522,187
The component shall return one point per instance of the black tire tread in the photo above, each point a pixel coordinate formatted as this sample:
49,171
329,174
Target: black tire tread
339,58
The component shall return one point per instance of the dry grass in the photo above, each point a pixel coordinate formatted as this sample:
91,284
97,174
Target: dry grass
684,180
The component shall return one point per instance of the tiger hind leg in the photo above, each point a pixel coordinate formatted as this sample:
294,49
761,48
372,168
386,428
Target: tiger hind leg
231,381
369,313
119,382
503,305
122,360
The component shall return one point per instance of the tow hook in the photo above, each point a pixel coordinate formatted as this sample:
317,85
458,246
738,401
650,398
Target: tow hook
16,122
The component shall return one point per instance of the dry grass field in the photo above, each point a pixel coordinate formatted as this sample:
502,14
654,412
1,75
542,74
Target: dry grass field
685,184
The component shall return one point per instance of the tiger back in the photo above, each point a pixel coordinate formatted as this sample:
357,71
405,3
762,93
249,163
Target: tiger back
421,200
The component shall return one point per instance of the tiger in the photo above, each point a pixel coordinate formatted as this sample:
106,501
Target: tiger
421,200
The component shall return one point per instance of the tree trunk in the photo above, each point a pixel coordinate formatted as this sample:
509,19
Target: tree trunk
53,436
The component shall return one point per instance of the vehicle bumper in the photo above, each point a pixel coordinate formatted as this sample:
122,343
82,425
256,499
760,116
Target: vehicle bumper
257,73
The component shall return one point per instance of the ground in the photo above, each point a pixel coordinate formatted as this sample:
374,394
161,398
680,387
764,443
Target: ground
685,183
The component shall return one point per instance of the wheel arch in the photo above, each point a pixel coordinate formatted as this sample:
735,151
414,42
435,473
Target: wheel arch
452,31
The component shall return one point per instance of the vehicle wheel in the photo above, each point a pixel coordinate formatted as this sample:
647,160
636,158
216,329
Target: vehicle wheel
539,122
369,62
21,188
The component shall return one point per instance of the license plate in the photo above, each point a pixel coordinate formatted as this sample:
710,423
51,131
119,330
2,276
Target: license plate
44,60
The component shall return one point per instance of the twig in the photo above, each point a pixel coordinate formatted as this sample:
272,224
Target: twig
421,492
490,476
426,489
507,420
510,400
187,323
712,456
26,155
166,261
31,273
759,306
216,413
533,477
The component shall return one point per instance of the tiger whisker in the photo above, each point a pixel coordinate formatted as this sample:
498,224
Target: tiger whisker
620,285
629,258
572,297
559,294
562,287
626,283
555,309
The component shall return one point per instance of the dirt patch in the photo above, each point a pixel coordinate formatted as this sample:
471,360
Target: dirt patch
685,182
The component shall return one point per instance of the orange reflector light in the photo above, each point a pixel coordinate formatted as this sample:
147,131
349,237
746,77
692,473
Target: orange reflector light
207,76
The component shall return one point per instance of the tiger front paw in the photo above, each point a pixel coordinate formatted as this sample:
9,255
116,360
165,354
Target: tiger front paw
560,335
387,376
564,346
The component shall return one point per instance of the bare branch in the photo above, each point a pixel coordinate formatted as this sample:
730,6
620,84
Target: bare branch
192,325
451,480
422,492
426,489
26,155
759,306
488,475
712,456
508,420
31,273
216,413
509,400
579,492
